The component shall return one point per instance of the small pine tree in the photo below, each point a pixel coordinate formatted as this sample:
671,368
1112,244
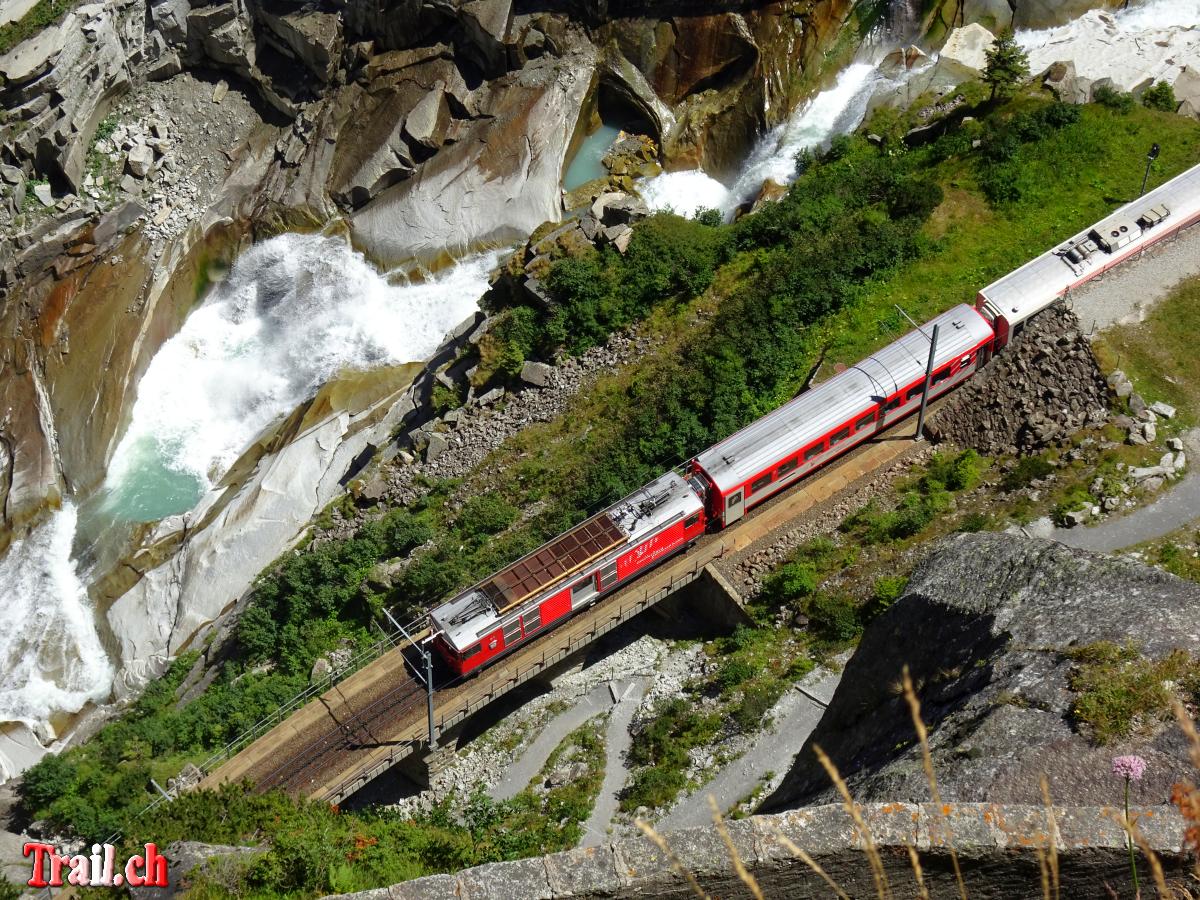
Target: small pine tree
1007,65
1160,96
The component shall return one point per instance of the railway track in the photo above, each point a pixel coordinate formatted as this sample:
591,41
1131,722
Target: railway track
358,729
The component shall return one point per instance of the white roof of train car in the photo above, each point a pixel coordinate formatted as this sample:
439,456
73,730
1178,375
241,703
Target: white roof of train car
467,616
816,412
1031,288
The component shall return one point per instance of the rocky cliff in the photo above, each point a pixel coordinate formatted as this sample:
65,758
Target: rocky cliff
987,626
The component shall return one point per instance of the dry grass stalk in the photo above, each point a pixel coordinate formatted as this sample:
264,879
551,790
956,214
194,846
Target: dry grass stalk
882,888
676,866
1052,833
742,872
799,853
1156,868
918,873
914,707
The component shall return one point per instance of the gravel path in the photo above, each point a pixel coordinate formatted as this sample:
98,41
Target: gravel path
1179,505
530,763
617,741
1125,295
796,715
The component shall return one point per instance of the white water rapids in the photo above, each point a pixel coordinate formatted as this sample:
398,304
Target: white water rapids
294,311
838,110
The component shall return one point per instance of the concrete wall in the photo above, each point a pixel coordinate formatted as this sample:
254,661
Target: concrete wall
997,847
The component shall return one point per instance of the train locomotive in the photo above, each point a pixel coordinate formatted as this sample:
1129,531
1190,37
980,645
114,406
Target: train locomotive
722,483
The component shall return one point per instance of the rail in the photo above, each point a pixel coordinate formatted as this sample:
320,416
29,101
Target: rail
504,679
265,724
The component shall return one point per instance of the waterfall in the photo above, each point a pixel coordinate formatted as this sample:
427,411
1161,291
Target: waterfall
51,659
294,312
838,110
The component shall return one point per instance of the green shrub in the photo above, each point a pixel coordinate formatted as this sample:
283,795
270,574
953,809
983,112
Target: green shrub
959,472
756,701
791,582
887,590
1160,96
1075,499
833,618
1027,470
733,672
1106,95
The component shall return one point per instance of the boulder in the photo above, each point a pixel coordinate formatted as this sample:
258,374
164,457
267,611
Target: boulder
486,24
139,160
901,60
1162,409
321,670
967,46
426,124
1068,87
224,34
44,195
536,373
436,447
170,19
311,36
494,185
987,626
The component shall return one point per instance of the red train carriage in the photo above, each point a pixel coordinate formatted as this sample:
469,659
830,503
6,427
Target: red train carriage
821,424
571,572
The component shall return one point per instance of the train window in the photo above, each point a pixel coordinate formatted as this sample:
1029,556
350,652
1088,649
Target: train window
814,451
608,575
532,620
838,436
582,587
895,403
759,483
473,650
512,632
865,422
690,521
733,501
786,467
941,376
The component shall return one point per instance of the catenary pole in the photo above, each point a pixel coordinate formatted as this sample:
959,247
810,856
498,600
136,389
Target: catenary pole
928,378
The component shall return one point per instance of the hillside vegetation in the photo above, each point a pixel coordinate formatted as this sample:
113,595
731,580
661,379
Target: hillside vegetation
739,314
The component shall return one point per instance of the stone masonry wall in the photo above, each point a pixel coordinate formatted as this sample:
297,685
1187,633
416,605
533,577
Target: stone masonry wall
997,847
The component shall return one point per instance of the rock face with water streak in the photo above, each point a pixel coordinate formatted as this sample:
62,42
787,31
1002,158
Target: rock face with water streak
986,626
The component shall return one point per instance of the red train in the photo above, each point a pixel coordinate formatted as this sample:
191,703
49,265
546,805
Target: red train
718,486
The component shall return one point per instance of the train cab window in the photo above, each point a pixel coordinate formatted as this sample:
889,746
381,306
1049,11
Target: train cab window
838,436
785,468
690,521
471,651
759,483
941,376
733,501
895,403
865,422
814,451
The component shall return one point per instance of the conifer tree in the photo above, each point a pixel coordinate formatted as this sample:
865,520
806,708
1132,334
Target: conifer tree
1007,65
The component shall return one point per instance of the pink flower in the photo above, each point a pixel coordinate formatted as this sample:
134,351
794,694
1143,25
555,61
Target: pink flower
1130,767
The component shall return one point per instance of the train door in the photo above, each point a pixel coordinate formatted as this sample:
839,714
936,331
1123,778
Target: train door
734,507
582,591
